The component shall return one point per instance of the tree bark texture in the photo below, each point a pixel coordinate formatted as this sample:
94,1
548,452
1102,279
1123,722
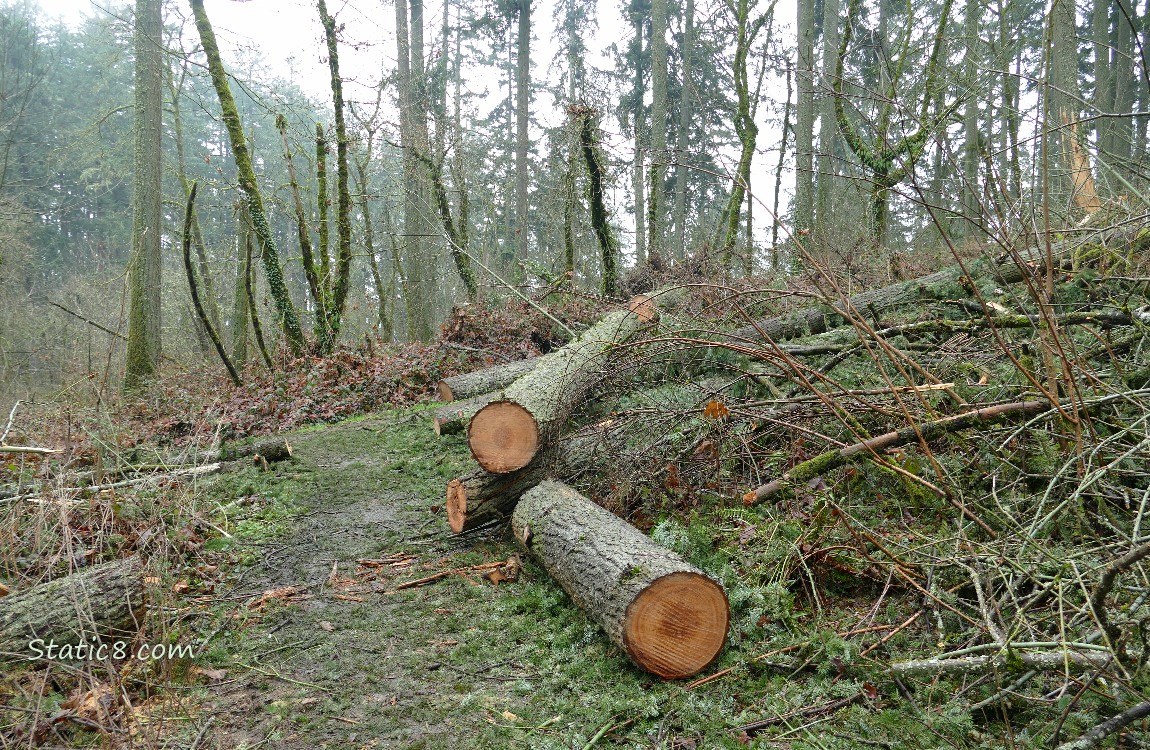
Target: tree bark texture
505,435
454,417
105,601
668,616
479,497
486,380
144,324
655,208
522,98
805,118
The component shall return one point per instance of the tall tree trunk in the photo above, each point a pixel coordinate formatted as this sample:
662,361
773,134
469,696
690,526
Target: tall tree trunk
971,133
1124,83
686,92
637,182
323,218
1060,110
342,280
269,255
830,146
600,221
655,208
414,255
1103,99
805,119
779,174
144,346
522,84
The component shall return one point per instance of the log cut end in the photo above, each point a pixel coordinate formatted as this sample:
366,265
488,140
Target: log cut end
644,308
677,625
503,437
445,393
456,506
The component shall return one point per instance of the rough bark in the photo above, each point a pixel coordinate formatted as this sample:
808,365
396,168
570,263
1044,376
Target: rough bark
668,616
681,138
479,497
105,601
805,118
655,209
269,450
600,217
830,146
522,83
341,283
505,435
453,418
484,381
144,324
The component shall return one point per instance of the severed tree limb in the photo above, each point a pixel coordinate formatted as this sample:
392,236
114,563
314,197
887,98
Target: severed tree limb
452,418
28,449
1015,659
823,463
486,380
1108,727
1109,577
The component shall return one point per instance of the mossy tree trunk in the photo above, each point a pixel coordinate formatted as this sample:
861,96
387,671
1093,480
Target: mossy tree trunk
269,254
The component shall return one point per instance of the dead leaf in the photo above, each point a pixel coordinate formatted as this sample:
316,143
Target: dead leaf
181,587
93,704
326,626
715,410
510,716
746,534
870,690
212,675
4,590
495,577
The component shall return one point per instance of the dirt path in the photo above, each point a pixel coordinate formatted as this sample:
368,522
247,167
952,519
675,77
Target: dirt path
349,662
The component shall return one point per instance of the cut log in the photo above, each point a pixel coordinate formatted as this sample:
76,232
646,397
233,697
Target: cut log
480,497
270,450
506,435
105,601
453,418
668,616
458,387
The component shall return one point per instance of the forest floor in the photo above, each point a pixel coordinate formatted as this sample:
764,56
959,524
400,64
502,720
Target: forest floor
342,659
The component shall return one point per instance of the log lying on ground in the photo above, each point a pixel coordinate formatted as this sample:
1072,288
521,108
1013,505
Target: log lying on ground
506,435
470,384
821,318
104,601
480,497
453,418
669,617
270,450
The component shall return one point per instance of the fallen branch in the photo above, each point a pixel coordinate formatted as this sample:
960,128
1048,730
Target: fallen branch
825,462
454,571
28,449
1013,660
1107,728
805,713
470,384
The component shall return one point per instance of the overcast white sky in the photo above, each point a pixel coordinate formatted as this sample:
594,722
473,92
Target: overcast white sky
288,36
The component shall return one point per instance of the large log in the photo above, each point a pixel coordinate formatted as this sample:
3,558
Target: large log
668,616
453,417
821,318
103,602
470,384
480,497
506,435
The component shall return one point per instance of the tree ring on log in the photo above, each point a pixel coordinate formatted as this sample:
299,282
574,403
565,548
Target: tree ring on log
503,437
677,625
445,393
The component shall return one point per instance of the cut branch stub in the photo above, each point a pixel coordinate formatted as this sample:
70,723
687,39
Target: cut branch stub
669,617
505,435
454,416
